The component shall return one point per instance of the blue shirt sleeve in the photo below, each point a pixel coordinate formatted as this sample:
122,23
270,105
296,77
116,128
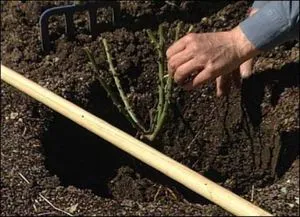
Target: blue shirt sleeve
259,4
276,22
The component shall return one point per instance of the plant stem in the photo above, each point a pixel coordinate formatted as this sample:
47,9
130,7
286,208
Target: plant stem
161,69
159,46
168,92
108,90
128,108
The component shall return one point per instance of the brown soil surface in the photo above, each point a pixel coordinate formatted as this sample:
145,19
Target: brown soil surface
247,142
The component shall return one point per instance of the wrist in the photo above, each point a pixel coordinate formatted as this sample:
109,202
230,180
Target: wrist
244,48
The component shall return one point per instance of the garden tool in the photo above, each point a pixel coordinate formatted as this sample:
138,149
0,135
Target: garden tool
68,11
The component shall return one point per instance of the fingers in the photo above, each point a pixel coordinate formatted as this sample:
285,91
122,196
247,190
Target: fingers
176,48
202,77
187,70
178,59
180,45
223,84
246,68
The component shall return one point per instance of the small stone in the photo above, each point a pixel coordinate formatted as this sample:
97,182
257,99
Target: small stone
290,205
204,20
297,200
56,59
283,190
13,115
128,203
222,18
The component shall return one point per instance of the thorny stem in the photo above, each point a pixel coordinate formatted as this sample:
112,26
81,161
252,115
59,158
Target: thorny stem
164,90
159,45
128,108
152,38
161,69
108,90
167,91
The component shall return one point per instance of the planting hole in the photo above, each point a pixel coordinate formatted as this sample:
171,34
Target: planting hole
82,159
79,157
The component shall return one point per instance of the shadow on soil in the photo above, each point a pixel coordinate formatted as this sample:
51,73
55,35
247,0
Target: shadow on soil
253,89
84,160
253,92
79,157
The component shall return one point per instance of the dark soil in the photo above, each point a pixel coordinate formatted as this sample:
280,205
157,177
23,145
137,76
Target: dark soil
247,142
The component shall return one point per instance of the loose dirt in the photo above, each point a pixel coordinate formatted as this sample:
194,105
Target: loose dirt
247,142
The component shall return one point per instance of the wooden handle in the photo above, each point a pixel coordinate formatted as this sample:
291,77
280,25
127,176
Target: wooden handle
182,174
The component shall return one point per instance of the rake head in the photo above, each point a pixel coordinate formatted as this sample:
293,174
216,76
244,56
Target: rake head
68,12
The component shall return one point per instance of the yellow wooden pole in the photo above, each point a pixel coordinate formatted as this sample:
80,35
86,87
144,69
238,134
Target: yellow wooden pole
182,174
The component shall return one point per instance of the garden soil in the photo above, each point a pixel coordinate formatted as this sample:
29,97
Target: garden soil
247,142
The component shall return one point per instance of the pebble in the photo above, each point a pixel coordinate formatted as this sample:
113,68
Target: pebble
56,59
283,190
297,200
128,203
13,115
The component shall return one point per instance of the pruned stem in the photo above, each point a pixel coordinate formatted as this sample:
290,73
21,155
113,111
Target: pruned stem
159,45
161,117
108,90
128,108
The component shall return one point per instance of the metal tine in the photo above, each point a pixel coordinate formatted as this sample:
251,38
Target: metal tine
68,11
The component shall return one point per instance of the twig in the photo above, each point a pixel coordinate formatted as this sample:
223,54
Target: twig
172,4
54,207
45,213
157,193
128,108
252,193
172,193
23,177
193,140
24,131
45,199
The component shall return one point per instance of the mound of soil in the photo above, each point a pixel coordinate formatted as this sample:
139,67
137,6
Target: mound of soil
247,142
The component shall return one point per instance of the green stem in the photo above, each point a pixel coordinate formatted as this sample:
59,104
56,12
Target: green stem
168,92
161,69
108,90
159,46
119,87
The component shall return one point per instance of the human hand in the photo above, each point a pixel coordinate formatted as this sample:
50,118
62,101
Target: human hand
224,82
198,58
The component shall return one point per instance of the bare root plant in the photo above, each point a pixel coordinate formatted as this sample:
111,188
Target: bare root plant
165,85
